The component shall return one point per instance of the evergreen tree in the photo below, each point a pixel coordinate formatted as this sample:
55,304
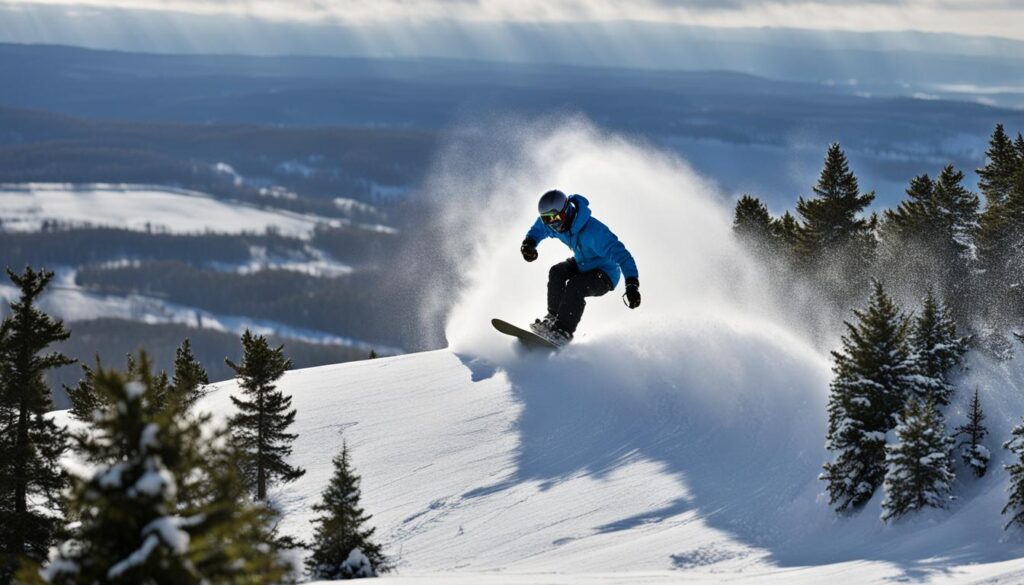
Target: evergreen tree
936,350
919,470
834,241
30,443
786,233
1000,243
189,375
751,222
906,241
955,223
914,213
1002,161
260,427
958,211
873,374
972,452
1015,505
142,369
341,529
164,505
85,399
928,238
372,355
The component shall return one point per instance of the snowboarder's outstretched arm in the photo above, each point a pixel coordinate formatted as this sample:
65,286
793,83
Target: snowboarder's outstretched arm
533,237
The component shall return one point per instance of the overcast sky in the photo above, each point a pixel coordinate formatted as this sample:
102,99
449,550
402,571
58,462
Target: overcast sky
973,17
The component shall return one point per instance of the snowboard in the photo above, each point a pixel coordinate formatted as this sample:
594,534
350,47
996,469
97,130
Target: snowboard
528,338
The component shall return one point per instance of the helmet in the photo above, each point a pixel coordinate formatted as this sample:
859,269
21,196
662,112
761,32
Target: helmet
555,210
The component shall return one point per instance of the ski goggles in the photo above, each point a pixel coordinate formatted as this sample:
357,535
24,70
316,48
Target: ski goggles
553,218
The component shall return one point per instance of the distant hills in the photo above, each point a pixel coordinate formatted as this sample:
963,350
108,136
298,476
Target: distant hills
242,105
880,59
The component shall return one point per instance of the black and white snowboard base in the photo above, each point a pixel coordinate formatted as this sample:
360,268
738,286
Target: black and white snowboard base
528,338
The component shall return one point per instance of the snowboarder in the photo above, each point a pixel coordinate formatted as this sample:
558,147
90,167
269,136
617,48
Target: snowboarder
598,258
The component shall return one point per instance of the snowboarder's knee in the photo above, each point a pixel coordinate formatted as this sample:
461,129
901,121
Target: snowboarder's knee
561,271
576,287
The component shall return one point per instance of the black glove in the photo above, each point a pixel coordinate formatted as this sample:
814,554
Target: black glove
529,250
632,293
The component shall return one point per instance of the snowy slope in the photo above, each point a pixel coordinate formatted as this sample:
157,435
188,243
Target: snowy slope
471,466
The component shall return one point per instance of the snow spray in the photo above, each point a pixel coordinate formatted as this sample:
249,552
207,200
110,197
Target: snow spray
675,223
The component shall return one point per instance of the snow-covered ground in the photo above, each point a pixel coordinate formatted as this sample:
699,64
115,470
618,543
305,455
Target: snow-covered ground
24,207
576,468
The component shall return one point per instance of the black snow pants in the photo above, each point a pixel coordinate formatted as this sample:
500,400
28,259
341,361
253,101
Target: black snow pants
567,287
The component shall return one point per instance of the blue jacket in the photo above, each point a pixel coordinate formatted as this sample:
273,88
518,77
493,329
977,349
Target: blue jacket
593,245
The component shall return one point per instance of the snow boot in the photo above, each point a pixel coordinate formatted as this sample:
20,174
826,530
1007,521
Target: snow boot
559,336
556,335
542,327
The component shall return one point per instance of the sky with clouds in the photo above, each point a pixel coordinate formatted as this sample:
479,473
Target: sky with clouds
973,17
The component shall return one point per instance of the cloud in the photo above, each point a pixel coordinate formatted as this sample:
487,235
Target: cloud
972,17
679,11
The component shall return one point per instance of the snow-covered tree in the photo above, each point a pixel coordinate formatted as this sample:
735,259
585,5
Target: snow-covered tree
872,379
1015,505
974,454
919,470
265,413
189,375
342,543
31,445
164,504
936,351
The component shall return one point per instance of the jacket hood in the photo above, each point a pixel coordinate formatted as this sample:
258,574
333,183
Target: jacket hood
582,212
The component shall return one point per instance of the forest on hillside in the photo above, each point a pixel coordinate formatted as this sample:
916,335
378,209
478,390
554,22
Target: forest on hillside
922,284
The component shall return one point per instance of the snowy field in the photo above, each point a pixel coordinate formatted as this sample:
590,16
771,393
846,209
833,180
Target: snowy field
25,207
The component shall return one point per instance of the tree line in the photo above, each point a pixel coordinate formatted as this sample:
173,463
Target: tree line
960,264
170,495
